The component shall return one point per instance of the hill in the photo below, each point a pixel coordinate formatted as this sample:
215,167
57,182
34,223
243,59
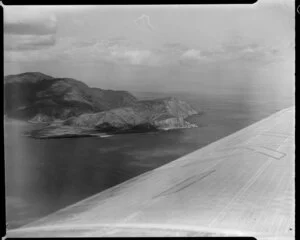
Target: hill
84,111
34,95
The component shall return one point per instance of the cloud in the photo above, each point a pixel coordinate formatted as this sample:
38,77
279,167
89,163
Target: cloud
31,48
26,56
116,42
84,43
232,51
144,22
28,42
193,54
117,39
238,45
118,49
193,57
24,21
250,52
119,42
135,57
240,48
28,28
174,47
121,50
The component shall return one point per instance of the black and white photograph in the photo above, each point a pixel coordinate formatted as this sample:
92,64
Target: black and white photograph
170,120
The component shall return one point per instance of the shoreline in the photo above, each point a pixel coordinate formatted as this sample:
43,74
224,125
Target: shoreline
55,130
95,133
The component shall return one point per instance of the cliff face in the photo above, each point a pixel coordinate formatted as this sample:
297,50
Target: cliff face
167,113
41,118
139,118
164,108
29,95
173,123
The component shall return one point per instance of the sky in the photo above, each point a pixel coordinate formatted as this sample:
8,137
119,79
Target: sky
188,48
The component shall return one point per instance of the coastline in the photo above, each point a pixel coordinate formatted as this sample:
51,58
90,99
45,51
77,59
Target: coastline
55,130
59,131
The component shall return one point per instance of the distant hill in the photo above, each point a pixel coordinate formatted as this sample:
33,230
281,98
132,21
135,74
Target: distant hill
34,95
37,97
28,77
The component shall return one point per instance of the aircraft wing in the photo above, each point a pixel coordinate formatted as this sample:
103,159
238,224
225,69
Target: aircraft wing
242,185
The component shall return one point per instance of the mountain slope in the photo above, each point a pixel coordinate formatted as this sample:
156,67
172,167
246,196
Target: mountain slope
33,94
83,110
159,114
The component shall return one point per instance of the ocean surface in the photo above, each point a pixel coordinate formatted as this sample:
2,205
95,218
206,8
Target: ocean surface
43,176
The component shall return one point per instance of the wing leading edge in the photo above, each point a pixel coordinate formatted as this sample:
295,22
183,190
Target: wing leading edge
242,184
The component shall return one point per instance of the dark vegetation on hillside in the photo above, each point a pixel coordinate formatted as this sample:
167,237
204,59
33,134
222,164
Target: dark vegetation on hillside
36,97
